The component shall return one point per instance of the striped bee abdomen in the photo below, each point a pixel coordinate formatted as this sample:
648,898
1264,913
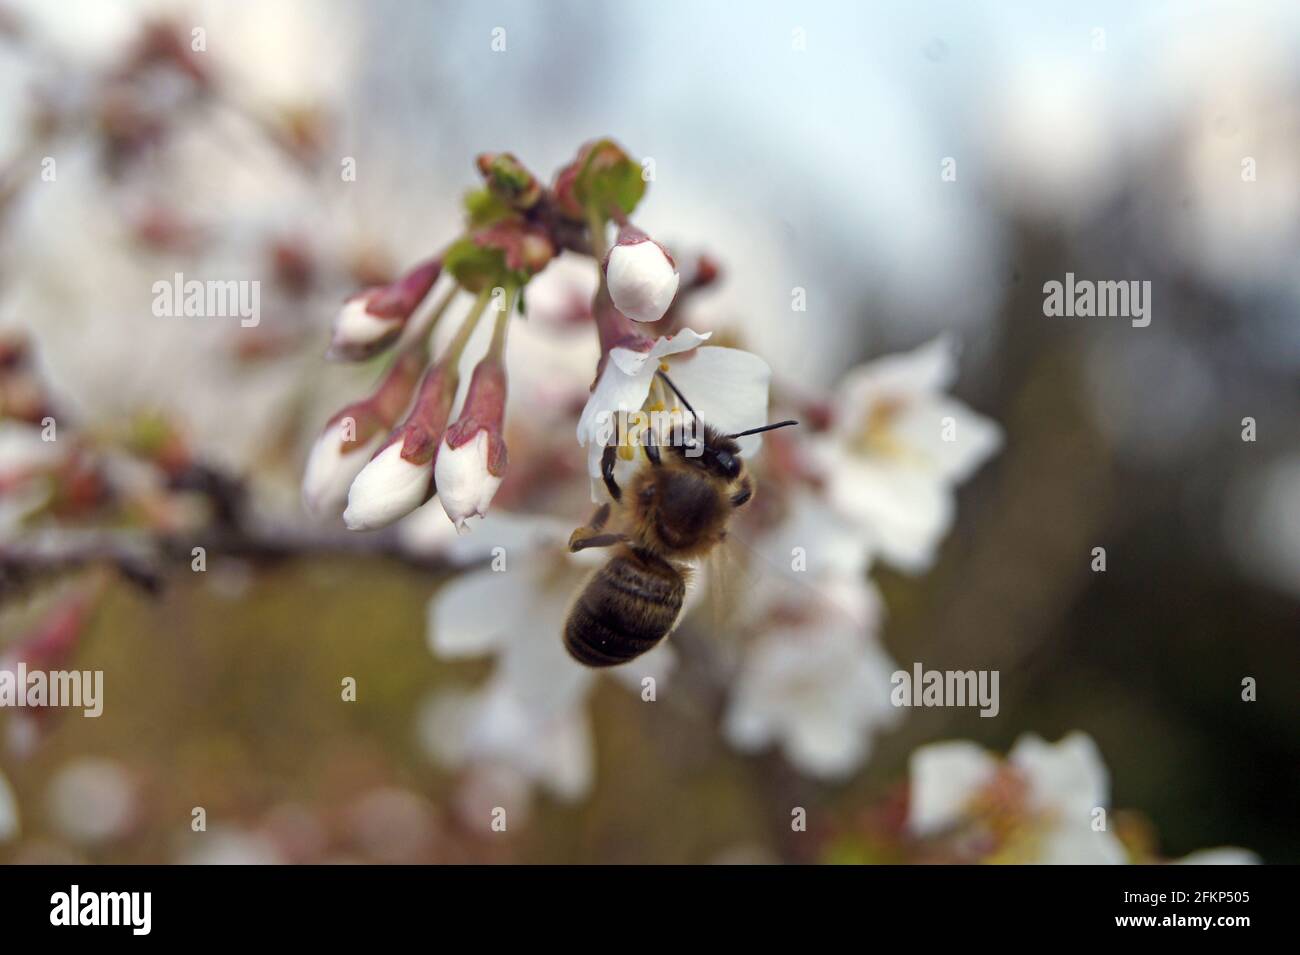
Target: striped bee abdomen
628,606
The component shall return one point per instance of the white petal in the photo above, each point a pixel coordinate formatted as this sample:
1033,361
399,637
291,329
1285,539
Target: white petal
465,485
475,612
820,690
923,426
829,543
492,726
92,800
355,326
728,389
624,385
519,614
943,778
1068,778
389,487
746,726
642,281
677,343
22,448
1079,844
926,370
534,662
566,757
615,391
905,510
331,468
825,745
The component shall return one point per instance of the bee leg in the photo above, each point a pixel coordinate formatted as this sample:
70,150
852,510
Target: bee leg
741,497
585,537
598,519
651,447
608,459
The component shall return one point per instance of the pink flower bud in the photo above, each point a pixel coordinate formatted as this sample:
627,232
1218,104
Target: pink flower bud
372,320
472,458
352,435
399,478
641,275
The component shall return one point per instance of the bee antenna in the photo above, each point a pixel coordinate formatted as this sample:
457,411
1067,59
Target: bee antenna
678,394
766,427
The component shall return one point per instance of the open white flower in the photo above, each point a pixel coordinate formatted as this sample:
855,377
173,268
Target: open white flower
1052,792
530,714
726,386
387,488
817,682
492,727
897,449
642,278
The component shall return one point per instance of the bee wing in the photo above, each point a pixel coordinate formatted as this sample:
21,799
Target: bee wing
755,582
726,577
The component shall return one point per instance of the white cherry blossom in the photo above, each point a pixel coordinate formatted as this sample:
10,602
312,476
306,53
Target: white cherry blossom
898,448
1058,790
727,387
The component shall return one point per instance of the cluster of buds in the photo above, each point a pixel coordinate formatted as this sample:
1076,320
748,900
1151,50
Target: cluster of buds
381,457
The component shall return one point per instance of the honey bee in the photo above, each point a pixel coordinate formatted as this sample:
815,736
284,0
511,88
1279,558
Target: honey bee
674,510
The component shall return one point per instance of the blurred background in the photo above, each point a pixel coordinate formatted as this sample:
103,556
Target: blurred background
799,145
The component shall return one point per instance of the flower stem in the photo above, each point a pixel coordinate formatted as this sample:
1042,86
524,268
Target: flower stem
451,357
596,226
498,346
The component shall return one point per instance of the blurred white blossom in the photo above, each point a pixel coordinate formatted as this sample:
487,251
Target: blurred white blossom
1047,796
530,715
899,446
814,678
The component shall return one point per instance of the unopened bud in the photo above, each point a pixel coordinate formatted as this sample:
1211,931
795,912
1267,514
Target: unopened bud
472,459
388,488
372,320
641,275
399,478
352,435
509,180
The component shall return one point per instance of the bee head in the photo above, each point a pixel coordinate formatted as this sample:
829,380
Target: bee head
718,452
722,457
